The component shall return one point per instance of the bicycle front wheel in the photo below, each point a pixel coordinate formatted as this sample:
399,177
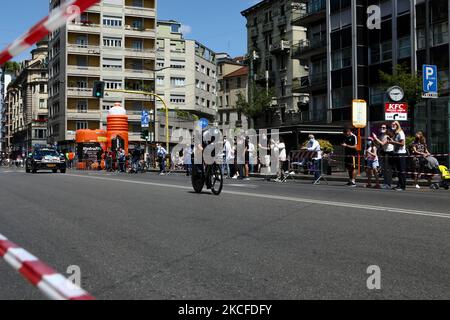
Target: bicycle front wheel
217,180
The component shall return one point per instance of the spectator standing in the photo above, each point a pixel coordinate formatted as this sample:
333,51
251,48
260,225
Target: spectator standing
239,159
280,148
252,154
350,153
386,153
149,161
187,159
420,152
400,153
122,159
247,159
314,146
373,164
161,153
135,159
108,161
228,157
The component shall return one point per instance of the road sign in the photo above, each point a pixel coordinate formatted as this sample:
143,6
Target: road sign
203,123
396,112
359,114
145,119
430,81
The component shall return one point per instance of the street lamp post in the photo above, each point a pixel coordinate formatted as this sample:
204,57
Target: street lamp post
167,110
428,61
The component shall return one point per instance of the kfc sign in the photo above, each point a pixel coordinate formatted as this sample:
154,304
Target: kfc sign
397,111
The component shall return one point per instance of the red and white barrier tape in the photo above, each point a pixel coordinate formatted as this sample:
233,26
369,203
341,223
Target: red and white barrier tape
54,285
57,18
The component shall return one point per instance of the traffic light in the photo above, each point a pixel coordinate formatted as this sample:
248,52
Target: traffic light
144,135
99,89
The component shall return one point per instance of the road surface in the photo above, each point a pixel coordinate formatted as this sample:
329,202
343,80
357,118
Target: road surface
151,237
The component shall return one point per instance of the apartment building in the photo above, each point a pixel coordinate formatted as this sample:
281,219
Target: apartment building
186,78
312,53
232,81
271,35
114,41
5,80
344,58
26,99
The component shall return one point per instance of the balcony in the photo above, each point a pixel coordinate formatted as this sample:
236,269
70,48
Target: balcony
85,71
281,47
314,81
94,115
139,53
254,32
137,96
309,47
134,115
139,32
293,118
139,74
83,49
84,26
312,13
79,92
140,11
94,8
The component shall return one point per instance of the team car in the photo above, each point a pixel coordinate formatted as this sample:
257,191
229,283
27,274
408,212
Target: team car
45,159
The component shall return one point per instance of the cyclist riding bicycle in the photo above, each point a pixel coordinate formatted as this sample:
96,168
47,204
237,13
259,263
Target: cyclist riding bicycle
208,172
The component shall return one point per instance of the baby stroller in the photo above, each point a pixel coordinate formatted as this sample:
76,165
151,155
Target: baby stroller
445,178
440,171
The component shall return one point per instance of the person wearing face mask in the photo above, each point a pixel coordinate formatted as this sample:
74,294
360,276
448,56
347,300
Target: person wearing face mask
350,154
372,164
400,153
386,155
314,146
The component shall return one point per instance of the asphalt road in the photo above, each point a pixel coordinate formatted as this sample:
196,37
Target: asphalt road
151,237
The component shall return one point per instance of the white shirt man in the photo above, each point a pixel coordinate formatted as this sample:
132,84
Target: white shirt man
314,146
281,148
251,153
228,151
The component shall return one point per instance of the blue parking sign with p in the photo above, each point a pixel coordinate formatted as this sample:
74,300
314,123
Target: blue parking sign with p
430,79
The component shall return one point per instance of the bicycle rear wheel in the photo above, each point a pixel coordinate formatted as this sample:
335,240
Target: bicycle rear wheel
217,179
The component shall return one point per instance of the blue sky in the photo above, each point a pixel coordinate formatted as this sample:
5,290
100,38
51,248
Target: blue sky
217,24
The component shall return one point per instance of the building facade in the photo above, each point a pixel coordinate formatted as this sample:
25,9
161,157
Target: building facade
186,78
26,98
5,80
271,35
344,57
114,42
232,81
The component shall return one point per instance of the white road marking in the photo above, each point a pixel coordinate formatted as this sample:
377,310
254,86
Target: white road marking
282,198
250,186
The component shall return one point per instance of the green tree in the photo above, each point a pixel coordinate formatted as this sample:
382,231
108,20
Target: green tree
11,67
410,82
261,100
